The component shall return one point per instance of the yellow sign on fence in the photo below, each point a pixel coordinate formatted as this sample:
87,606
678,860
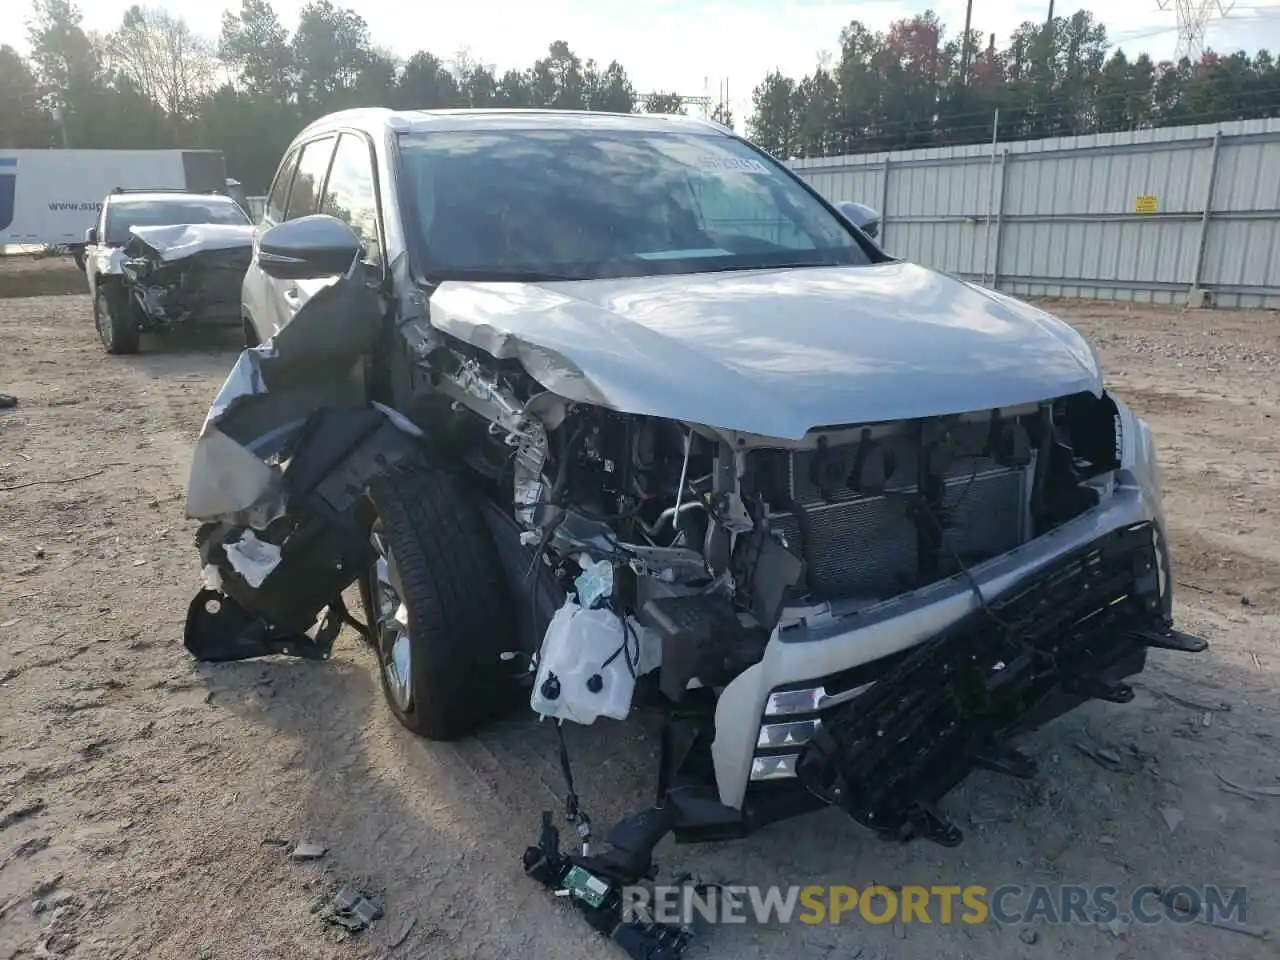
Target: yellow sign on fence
1145,204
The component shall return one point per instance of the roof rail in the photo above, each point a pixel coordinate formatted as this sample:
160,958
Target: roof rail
203,193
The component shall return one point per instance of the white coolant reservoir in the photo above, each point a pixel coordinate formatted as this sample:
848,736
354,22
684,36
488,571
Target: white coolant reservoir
583,667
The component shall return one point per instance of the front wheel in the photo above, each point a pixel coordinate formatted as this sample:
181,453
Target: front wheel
114,320
438,605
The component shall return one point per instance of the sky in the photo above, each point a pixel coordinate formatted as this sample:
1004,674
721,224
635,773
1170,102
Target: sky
695,45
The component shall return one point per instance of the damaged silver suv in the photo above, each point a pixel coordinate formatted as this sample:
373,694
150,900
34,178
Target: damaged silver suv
160,259
608,411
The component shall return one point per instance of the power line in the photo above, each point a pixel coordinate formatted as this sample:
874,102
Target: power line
974,132
971,135
982,118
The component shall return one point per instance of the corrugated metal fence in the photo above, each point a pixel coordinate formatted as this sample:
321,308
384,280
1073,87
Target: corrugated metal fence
1174,215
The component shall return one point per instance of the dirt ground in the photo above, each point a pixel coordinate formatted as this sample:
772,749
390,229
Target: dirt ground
148,803
32,275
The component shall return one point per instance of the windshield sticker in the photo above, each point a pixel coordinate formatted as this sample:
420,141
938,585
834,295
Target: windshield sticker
732,165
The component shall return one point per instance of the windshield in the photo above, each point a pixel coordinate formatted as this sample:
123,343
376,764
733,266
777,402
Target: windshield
123,214
591,203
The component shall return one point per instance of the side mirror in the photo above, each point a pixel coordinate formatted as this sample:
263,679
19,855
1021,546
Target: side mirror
308,248
862,217
91,235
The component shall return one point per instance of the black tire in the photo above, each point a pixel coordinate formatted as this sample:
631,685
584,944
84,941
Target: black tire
114,320
459,608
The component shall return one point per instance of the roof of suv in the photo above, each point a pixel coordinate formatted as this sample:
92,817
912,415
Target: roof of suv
375,120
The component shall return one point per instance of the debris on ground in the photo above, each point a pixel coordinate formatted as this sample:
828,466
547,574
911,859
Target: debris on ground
7,401
1255,792
1116,927
1027,935
351,910
1106,758
1172,817
308,851
1220,707
401,935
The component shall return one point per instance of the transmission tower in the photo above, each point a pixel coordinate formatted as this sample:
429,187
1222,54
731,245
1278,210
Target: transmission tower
1193,19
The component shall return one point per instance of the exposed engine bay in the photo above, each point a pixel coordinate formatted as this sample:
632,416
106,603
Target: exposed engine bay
174,274
705,536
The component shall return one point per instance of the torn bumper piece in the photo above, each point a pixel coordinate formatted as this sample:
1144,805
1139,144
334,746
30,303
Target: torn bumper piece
279,476
263,407
1068,634
320,546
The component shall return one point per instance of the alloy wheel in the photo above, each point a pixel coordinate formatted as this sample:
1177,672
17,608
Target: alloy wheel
392,624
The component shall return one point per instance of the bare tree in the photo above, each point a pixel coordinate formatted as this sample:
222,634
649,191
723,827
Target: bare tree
166,61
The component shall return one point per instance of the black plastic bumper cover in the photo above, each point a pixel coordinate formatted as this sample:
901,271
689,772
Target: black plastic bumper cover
324,546
1069,633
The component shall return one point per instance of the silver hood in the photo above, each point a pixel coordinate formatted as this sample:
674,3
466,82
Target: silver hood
775,352
178,241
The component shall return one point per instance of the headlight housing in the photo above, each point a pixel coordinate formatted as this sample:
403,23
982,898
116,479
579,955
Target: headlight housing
1140,467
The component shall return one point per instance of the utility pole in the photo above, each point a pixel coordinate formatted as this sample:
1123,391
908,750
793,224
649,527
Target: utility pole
1048,46
60,118
964,45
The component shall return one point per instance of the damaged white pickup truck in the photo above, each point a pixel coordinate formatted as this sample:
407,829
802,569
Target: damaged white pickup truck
603,412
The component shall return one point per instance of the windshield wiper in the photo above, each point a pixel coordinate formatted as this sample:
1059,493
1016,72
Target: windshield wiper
496,275
780,265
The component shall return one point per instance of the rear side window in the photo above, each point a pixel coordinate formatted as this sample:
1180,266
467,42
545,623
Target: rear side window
313,164
350,195
280,189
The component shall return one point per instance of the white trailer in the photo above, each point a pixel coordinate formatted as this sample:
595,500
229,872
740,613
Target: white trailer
54,196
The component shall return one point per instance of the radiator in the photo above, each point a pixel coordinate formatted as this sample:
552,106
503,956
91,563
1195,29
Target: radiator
866,547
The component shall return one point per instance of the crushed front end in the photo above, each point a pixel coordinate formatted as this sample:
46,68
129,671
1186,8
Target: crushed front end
857,618
879,609
1045,594
187,273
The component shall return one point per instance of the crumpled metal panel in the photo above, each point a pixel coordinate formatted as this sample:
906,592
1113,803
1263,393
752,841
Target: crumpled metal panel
310,364
179,241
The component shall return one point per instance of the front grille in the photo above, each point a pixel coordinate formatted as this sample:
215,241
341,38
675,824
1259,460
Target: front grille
1089,595
868,546
1068,632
